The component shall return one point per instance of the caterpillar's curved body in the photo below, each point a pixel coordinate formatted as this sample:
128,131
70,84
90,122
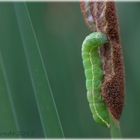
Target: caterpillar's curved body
94,76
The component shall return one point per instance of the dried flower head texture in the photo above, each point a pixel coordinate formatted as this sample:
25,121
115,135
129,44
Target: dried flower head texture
106,21
86,11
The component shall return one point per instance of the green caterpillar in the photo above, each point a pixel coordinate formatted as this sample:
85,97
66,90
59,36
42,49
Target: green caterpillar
94,76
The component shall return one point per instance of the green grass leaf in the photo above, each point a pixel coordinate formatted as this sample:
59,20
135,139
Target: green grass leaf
8,117
42,90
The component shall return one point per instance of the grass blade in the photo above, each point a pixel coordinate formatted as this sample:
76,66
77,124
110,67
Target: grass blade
8,118
44,98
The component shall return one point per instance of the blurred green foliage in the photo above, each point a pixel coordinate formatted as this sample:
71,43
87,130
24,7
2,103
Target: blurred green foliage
60,30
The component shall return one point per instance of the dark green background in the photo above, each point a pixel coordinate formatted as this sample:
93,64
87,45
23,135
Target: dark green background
60,30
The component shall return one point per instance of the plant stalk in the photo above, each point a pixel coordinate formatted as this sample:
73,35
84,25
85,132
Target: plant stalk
115,130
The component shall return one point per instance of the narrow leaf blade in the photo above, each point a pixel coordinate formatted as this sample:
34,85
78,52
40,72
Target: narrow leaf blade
44,97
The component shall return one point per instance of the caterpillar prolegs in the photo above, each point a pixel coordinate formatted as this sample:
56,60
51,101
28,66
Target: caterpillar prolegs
94,76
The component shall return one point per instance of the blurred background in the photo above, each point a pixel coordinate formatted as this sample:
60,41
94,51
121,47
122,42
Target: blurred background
60,30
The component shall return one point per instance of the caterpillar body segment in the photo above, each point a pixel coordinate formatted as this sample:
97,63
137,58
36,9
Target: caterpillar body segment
94,76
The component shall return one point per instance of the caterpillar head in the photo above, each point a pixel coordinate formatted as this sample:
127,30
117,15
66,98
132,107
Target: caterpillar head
95,39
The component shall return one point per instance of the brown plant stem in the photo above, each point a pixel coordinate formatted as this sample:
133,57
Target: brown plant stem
105,20
113,85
